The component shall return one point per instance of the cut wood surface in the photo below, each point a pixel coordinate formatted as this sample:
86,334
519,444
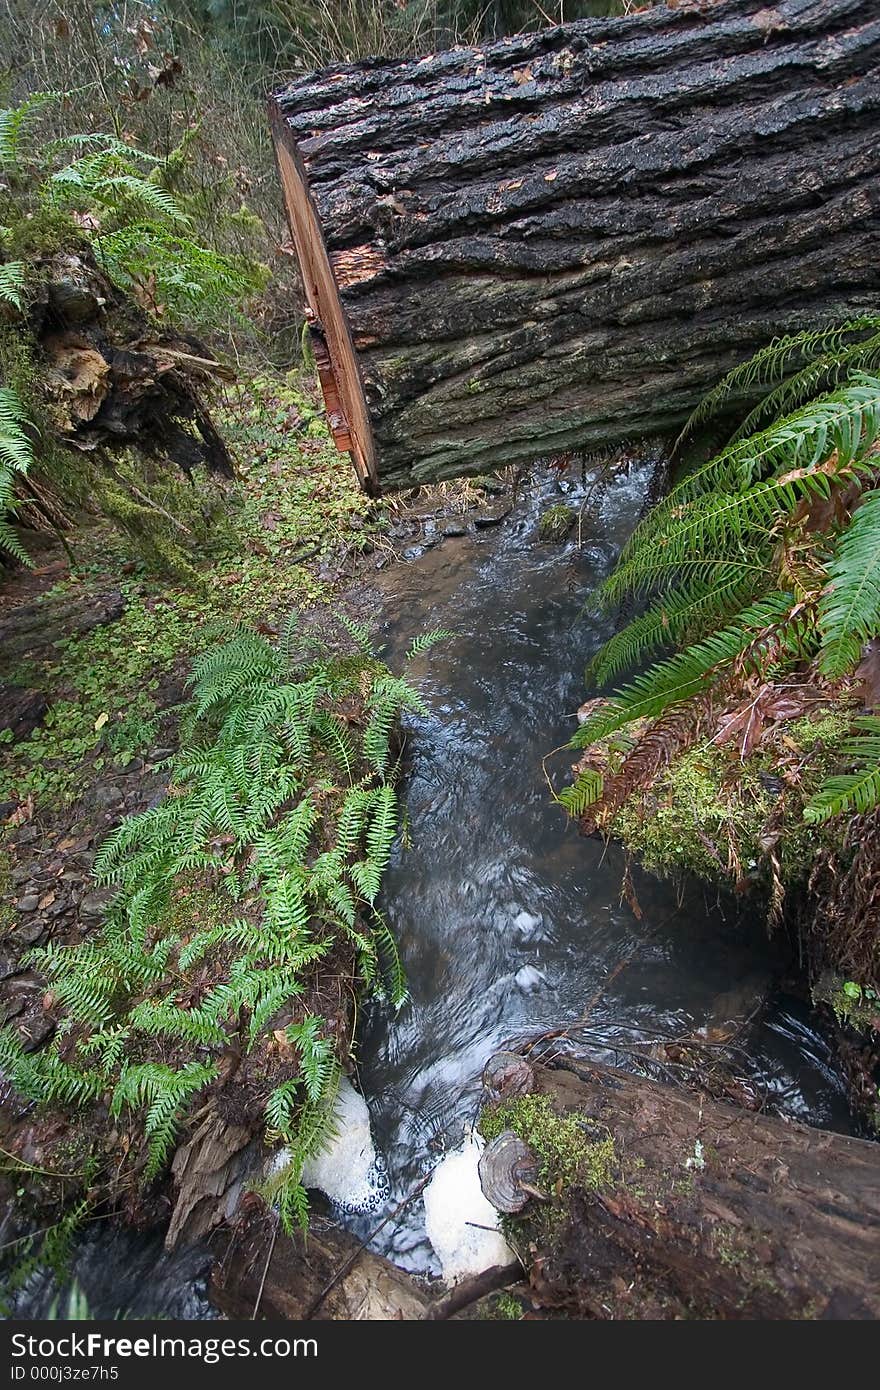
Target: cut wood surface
561,240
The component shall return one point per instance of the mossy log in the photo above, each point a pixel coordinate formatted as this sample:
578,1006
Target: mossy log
562,239
710,1212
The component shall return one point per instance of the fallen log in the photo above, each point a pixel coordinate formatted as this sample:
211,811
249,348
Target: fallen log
561,240
261,1272
709,1211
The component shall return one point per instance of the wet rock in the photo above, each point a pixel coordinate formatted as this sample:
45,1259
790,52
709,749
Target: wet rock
491,486
95,904
32,932
529,979
492,518
36,1031
21,709
10,965
454,530
107,795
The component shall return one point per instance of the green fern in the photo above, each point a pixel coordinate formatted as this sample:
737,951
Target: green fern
165,1093
857,791
584,792
427,640
16,457
772,364
300,862
693,670
13,283
680,612
17,126
849,607
784,520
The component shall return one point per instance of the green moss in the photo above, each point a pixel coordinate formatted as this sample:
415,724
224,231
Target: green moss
507,1308
708,812
568,1148
556,522
691,812
855,1003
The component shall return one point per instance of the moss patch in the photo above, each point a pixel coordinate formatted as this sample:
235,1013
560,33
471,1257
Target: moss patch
569,1148
716,815
556,522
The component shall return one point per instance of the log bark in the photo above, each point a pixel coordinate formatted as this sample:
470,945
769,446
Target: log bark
561,240
714,1212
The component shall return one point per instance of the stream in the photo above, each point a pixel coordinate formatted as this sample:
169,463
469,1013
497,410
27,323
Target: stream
509,923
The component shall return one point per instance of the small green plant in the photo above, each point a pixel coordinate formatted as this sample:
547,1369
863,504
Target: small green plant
290,814
507,1308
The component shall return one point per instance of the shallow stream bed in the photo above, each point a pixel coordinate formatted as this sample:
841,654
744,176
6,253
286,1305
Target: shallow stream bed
510,924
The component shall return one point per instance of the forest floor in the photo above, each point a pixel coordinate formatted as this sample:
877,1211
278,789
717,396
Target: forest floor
97,648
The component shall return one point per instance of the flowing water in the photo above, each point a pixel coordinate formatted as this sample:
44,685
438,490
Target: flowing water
509,922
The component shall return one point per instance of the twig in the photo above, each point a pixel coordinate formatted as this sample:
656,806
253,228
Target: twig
265,1271
470,1290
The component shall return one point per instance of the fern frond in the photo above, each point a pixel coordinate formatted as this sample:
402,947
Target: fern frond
16,124
427,640
772,364
583,792
821,375
849,606
668,682
12,284
858,791
681,614
735,483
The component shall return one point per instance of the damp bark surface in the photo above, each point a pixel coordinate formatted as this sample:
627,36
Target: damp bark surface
707,1211
561,239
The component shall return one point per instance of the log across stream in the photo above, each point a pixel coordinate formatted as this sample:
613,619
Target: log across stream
564,238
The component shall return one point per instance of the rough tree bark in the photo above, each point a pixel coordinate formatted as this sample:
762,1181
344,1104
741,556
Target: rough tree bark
714,1212
563,239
